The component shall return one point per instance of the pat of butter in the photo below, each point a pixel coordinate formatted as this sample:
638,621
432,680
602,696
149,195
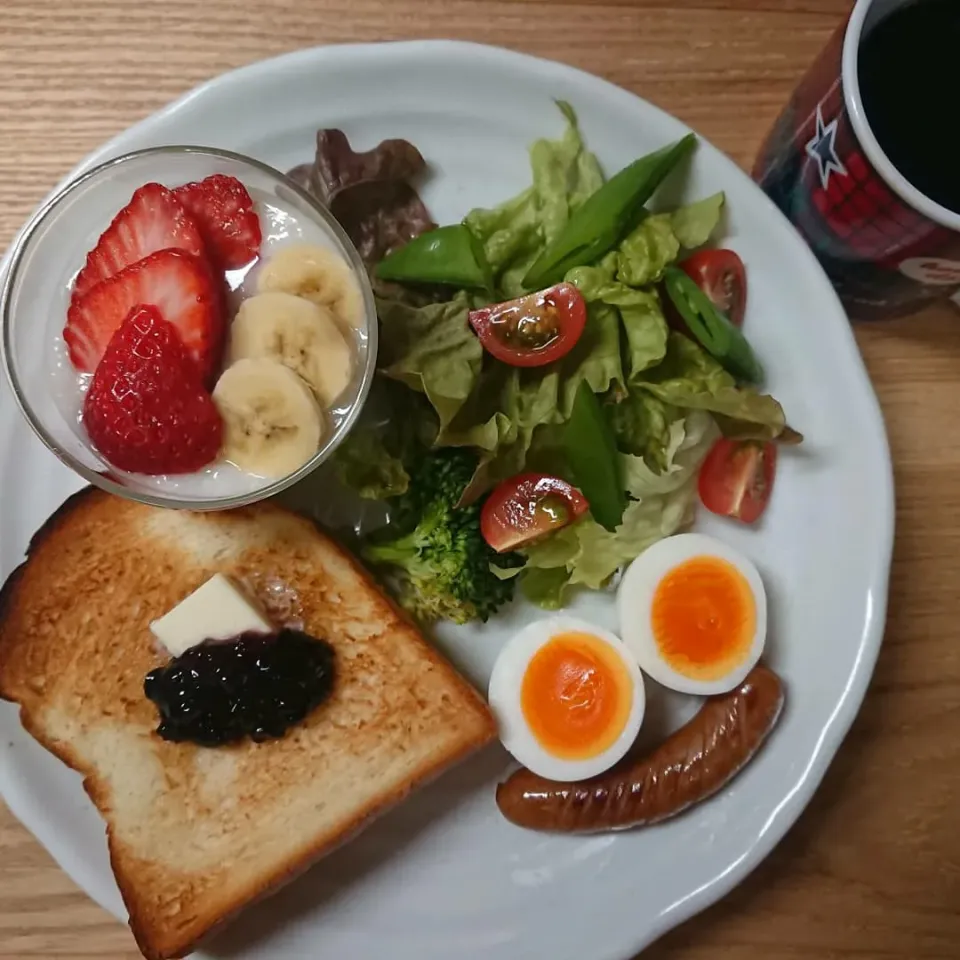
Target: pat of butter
215,611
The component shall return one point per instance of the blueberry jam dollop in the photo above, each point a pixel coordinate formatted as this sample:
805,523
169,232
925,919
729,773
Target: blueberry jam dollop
256,685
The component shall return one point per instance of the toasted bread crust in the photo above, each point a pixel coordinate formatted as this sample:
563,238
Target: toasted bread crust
195,835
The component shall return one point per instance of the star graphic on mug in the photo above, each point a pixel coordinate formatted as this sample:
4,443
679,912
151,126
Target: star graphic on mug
823,149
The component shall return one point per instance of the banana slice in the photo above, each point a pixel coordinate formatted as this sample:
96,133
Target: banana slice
272,421
318,274
301,335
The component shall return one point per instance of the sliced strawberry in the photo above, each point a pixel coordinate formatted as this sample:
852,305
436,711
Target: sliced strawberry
153,220
147,410
223,209
178,284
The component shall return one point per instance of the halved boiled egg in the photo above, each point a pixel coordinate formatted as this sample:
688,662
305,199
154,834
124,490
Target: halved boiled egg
693,612
568,698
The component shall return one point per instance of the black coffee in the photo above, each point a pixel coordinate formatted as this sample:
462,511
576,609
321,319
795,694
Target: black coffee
910,81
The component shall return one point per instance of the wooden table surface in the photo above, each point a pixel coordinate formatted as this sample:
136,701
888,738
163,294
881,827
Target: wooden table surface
872,869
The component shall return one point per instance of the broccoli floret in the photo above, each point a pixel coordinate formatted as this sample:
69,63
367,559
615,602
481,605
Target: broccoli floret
439,559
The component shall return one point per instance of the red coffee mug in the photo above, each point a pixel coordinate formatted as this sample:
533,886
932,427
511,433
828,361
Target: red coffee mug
888,249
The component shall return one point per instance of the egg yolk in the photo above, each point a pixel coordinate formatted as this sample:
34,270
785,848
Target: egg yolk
704,618
576,696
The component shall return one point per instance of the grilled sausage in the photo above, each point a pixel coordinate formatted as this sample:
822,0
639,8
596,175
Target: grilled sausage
690,765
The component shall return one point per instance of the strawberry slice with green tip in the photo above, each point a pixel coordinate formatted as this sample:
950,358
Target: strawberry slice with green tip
223,210
147,410
153,220
181,288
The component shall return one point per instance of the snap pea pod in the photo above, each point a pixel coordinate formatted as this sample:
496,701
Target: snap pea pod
591,451
606,216
450,256
715,333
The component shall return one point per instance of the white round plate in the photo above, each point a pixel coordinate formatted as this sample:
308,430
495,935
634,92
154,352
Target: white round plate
444,876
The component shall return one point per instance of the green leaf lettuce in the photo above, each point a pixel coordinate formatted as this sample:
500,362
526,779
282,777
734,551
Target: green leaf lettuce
514,234
432,350
694,224
691,379
656,242
365,465
640,312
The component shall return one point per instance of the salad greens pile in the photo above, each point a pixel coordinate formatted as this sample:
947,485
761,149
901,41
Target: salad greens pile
630,411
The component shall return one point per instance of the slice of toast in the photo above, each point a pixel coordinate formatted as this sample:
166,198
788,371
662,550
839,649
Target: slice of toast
195,834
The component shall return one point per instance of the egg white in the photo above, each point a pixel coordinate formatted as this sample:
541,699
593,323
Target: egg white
635,604
506,681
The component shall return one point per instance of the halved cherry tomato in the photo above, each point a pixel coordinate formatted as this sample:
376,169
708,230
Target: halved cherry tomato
736,478
720,274
534,330
526,507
